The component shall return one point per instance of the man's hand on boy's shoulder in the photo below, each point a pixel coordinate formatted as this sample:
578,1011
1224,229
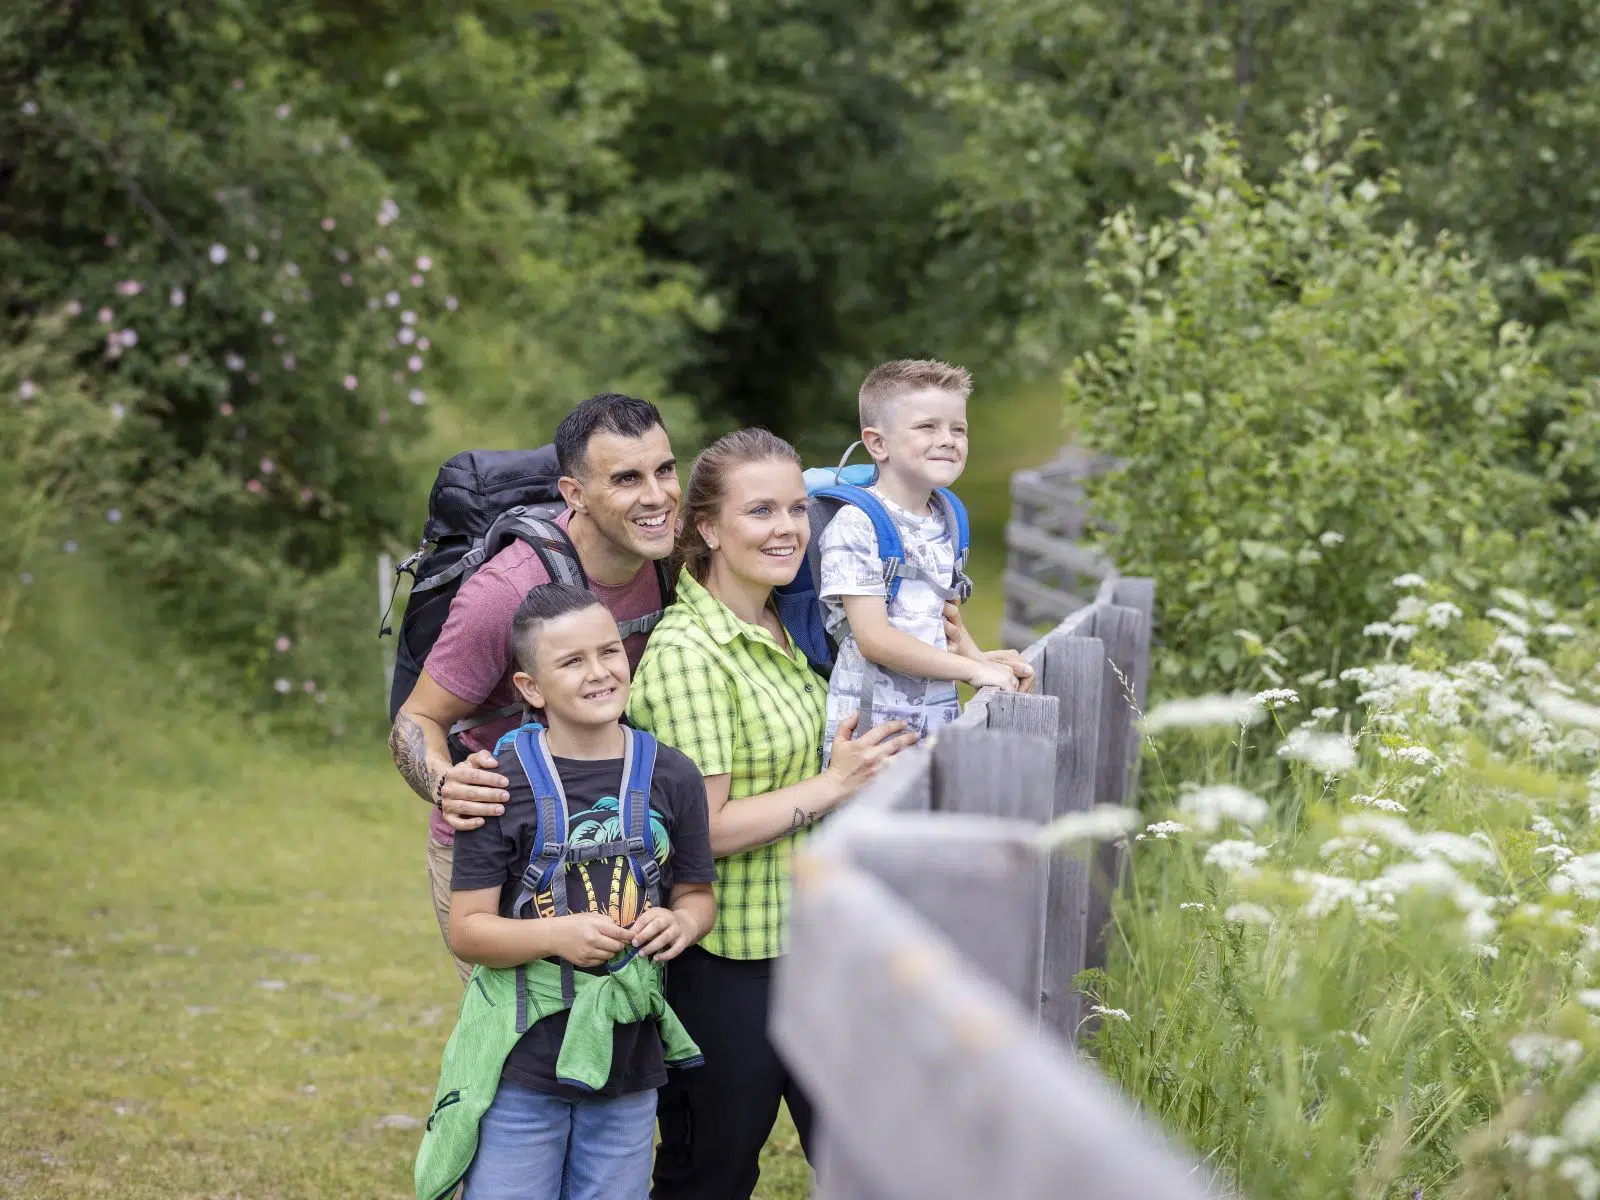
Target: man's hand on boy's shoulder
472,790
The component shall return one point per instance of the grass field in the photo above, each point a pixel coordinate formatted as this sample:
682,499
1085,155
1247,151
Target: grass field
221,976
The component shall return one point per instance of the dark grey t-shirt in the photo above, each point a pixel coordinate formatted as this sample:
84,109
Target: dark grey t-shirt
496,854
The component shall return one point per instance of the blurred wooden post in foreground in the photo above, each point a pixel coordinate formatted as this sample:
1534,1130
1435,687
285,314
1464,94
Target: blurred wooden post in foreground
927,1000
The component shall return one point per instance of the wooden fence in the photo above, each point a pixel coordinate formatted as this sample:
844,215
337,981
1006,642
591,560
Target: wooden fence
1049,574
926,1001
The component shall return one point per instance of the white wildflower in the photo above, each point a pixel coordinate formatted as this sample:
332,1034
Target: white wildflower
1441,614
1191,906
1566,711
1162,830
1328,753
1324,713
1589,998
1540,1050
1247,914
1275,698
1517,625
1116,1014
1559,629
1235,857
218,253
1194,712
1512,599
1103,822
1381,803
1409,580
1331,538
1209,807
1582,1174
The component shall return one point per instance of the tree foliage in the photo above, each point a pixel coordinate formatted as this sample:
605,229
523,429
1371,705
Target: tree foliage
1307,404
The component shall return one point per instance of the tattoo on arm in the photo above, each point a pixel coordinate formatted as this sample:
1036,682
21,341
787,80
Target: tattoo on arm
410,751
802,820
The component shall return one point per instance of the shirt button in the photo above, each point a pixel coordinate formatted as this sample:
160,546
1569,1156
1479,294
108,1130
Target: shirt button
808,687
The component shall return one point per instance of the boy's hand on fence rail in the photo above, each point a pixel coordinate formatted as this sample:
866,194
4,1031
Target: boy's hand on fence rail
1013,659
855,761
472,791
989,673
587,939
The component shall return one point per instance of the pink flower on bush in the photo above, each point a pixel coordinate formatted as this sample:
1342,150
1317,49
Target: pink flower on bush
450,303
283,111
105,316
254,487
73,308
351,383
176,297
225,409
282,644
182,360
267,466
130,287
309,686
415,363
306,495
328,224
418,396
345,279
26,390
288,362
416,281
423,344
424,262
114,515
218,253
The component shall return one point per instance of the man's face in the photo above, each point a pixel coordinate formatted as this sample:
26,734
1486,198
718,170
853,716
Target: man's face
628,486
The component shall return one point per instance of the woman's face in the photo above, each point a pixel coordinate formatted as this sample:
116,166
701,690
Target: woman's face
761,533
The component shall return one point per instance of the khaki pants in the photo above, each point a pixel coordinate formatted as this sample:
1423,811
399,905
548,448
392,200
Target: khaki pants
440,858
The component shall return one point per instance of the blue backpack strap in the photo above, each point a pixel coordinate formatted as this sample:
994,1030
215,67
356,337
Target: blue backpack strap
890,548
547,862
955,519
638,770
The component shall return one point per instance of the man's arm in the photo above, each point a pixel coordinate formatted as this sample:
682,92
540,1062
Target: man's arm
465,792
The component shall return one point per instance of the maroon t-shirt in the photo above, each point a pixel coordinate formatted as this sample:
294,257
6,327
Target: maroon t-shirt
472,658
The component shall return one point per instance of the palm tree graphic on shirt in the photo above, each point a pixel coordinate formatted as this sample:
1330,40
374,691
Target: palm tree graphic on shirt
608,884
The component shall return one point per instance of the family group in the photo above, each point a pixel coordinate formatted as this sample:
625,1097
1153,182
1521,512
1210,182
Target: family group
625,726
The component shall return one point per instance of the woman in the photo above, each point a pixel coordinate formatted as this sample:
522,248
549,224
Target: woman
721,681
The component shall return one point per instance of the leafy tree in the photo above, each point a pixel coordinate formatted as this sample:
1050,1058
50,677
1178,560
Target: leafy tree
1307,405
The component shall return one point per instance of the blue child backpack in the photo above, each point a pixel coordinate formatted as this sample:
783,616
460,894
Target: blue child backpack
830,489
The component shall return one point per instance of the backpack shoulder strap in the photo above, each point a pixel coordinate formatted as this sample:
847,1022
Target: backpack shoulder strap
955,520
544,537
547,861
890,548
638,771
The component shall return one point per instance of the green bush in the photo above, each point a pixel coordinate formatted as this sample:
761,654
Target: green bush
1307,405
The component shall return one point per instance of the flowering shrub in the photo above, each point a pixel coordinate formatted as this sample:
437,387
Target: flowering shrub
1360,953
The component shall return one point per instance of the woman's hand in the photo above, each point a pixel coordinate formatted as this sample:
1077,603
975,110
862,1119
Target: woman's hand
856,760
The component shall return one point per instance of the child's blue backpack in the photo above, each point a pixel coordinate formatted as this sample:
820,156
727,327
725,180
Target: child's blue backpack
830,489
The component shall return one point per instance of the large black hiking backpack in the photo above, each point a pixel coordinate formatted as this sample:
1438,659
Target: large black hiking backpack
482,501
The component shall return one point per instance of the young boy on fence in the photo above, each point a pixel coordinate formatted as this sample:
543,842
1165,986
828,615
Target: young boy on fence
893,655
548,1088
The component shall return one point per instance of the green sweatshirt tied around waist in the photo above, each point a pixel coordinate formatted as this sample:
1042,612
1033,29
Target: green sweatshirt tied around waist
500,1005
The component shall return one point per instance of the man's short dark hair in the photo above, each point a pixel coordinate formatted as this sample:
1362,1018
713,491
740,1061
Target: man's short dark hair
544,603
609,412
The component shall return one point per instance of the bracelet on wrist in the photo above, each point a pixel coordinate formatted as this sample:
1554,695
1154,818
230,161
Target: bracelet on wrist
438,793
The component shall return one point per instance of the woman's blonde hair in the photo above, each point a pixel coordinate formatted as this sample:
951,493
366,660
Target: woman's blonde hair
708,486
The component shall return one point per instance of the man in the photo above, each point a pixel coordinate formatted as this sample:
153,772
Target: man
620,483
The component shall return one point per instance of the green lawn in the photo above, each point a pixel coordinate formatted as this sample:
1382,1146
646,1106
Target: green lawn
221,972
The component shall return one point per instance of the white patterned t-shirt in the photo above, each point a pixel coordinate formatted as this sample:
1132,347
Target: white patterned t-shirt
849,564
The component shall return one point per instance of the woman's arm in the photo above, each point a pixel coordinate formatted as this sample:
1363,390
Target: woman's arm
738,825
479,934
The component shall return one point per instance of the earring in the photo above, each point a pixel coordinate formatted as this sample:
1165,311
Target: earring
710,545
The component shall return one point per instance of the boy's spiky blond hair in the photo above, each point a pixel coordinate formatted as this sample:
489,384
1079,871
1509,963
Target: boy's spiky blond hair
888,382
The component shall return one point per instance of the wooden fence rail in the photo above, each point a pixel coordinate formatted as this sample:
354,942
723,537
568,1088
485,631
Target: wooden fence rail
926,1001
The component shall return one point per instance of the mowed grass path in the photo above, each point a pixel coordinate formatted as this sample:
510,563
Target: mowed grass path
221,975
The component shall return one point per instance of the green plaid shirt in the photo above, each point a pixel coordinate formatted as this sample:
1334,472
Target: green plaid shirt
725,694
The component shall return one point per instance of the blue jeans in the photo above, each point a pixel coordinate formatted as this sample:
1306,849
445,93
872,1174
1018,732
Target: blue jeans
535,1146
